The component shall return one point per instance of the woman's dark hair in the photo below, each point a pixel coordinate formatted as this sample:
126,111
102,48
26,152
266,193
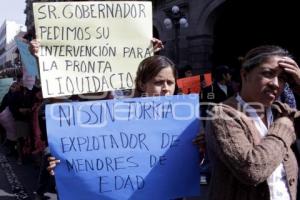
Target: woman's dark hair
259,55
149,68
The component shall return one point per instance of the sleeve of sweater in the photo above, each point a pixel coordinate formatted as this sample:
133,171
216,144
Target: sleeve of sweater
230,140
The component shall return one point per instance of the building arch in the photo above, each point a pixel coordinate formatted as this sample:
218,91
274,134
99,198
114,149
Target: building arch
208,16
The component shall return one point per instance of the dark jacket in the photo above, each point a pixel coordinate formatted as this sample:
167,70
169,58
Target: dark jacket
211,95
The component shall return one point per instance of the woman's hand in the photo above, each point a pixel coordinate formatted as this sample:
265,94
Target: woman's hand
34,46
52,165
292,69
157,44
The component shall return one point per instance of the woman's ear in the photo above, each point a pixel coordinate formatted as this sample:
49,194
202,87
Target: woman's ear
243,74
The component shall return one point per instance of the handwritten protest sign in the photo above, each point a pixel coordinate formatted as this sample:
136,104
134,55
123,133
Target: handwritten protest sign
28,60
4,86
89,47
137,148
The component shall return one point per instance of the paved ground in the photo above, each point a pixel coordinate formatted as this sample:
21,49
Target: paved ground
18,181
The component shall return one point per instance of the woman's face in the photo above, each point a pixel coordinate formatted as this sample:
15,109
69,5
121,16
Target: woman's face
264,83
160,85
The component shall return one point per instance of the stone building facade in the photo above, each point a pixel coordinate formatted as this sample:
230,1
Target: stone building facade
195,41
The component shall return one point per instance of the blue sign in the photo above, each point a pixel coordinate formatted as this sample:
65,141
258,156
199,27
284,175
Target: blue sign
139,148
28,60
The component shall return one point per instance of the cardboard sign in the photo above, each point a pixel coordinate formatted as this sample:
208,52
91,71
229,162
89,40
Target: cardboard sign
28,60
208,79
189,85
192,84
138,148
89,47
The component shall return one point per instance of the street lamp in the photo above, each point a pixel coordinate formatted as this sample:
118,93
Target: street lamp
176,18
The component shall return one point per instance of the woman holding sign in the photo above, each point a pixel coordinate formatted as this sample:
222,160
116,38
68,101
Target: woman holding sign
156,76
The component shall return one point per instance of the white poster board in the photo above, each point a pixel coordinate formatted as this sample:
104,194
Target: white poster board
90,47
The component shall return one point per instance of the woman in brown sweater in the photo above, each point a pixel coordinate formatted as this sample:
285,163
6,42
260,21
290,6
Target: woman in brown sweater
249,136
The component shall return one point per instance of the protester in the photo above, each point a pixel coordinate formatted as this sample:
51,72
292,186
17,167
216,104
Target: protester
7,120
45,181
38,144
34,49
8,97
249,136
221,89
20,107
156,76
288,96
217,92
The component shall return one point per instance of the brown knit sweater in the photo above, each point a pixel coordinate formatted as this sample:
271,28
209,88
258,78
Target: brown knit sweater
241,160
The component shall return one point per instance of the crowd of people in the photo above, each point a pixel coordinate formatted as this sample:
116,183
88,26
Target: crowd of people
20,112
248,129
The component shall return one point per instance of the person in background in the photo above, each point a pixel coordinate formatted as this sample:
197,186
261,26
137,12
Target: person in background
221,89
8,97
217,92
20,108
249,136
38,144
186,71
45,180
287,96
7,119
